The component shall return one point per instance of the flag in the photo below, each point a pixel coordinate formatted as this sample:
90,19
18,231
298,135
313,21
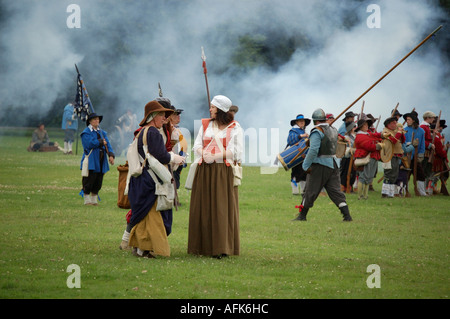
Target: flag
83,105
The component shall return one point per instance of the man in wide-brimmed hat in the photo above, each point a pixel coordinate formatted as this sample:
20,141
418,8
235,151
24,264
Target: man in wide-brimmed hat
428,118
440,160
297,134
391,155
366,144
373,120
349,117
412,128
98,149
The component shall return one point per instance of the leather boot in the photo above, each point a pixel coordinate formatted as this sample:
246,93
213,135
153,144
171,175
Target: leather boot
346,213
302,215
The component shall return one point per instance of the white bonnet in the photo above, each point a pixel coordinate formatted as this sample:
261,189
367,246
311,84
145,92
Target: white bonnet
221,102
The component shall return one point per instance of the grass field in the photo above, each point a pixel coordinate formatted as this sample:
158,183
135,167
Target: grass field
45,228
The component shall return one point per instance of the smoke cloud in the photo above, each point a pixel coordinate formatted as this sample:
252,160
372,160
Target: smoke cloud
124,48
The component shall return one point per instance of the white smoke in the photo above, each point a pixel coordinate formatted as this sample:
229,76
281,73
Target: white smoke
160,41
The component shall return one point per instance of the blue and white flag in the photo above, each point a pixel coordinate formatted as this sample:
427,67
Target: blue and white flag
83,105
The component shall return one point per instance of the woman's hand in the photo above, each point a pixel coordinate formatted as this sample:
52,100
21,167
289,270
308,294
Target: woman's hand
111,160
208,157
178,160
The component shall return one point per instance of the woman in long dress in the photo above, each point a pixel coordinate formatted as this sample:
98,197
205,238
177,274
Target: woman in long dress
149,227
214,207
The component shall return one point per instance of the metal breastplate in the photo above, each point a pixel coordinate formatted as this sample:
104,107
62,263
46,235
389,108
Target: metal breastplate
329,141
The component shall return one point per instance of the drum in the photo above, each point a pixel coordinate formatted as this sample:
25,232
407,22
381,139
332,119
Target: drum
294,155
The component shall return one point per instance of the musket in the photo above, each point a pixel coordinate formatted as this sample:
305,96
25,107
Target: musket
409,173
348,189
416,151
378,122
439,173
387,73
205,71
360,115
396,107
436,127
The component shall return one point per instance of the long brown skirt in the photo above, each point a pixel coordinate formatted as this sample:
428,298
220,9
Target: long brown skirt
214,212
150,234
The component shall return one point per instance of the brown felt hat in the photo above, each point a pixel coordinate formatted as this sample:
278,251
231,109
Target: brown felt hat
152,107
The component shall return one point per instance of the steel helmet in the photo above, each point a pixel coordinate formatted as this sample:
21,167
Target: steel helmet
319,115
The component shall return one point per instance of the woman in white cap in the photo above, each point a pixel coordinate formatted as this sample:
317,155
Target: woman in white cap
214,207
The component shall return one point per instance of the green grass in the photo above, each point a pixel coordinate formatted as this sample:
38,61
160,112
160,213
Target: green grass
45,228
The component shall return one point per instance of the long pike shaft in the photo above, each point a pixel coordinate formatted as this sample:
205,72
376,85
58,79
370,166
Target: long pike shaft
392,69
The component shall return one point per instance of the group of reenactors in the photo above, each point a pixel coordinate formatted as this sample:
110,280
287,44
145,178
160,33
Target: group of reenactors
405,146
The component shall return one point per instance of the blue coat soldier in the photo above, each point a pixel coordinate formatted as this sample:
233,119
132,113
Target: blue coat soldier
297,134
321,164
96,143
70,126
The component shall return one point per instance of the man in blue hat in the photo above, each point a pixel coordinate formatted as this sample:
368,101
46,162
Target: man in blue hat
297,134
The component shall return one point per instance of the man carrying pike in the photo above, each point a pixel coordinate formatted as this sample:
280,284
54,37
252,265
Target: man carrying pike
321,164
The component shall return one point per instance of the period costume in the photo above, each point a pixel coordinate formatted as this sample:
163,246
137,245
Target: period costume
40,141
426,165
419,139
298,175
149,227
345,168
321,162
440,160
392,166
214,206
94,148
366,144
70,126
348,118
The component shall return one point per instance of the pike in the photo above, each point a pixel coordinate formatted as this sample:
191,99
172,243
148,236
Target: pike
362,115
205,71
387,73
381,79
159,90
378,122
176,199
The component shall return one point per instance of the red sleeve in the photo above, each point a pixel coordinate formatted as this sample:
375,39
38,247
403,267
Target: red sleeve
439,147
428,137
365,143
